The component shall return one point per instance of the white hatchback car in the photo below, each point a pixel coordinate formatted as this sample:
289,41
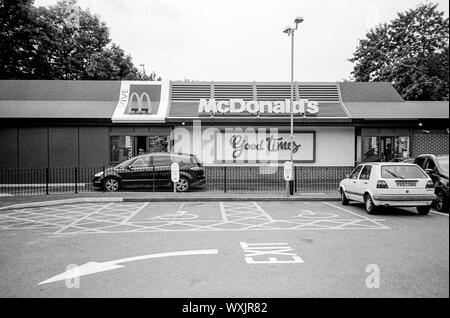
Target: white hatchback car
388,184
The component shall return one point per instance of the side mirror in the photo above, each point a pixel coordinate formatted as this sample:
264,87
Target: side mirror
347,176
130,167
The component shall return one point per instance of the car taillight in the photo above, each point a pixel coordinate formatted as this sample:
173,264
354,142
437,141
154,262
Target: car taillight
430,185
382,184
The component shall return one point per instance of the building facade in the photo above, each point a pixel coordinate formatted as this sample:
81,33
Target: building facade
96,123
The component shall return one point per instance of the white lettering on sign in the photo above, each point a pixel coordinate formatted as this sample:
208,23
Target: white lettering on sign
264,253
300,106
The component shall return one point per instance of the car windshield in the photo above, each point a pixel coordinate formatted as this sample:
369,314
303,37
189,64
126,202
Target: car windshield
443,164
402,172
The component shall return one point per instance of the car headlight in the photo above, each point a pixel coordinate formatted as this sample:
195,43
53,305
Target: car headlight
99,174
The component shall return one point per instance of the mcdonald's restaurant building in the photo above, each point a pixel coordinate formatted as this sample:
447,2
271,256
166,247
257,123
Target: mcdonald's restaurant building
95,123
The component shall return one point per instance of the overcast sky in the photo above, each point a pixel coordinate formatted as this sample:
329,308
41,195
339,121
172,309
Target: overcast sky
242,40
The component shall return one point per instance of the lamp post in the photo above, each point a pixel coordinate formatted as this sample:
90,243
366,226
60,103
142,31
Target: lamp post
290,32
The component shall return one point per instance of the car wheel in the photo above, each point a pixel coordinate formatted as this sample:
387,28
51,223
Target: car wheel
370,206
441,204
424,210
344,199
111,184
183,185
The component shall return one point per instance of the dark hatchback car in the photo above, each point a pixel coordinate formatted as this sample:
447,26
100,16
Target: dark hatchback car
152,170
437,168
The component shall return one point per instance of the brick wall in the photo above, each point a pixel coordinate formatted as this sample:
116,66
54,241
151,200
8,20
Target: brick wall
435,142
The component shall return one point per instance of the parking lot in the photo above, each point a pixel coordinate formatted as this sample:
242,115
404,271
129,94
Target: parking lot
222,249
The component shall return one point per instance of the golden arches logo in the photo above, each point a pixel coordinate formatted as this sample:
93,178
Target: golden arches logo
140,103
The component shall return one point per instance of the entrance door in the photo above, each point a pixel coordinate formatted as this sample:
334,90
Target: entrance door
140,145
387,148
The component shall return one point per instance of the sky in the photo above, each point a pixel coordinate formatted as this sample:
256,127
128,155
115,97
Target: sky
243,40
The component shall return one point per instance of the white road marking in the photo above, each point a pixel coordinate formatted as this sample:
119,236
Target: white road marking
263,212
222,212
134,213
84,217
315,215
97,267
444,214
358,215
256,250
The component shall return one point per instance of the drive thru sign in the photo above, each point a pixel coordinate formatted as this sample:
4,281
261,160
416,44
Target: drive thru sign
175,175
175,172
288,171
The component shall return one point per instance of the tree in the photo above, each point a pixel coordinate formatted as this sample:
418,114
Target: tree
59,42
411,52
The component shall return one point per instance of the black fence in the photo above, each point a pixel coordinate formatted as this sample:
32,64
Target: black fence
218,178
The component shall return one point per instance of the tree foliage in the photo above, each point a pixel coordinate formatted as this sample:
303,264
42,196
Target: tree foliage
45,43
411,52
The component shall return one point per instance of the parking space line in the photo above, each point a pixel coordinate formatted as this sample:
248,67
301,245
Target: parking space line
222,212
84,217
263,212
358,215
135,212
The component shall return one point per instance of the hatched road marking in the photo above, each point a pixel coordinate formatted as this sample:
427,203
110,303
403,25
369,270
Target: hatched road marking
118,218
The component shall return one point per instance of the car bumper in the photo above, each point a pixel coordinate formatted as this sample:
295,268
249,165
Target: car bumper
198,183
96,182
403,200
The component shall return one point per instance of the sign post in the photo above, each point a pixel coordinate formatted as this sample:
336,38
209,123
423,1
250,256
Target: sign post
175,175
288,175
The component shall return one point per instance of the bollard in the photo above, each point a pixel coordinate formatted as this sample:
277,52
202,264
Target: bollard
47,177
103,187
224,179
76,180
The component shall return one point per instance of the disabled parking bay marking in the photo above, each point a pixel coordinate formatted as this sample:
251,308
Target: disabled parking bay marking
258,253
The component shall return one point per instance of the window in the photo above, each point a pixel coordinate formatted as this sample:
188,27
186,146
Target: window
355,172
157,143
420,162
370,149
401,147
121,148
430,164
402,172
141,162
161,160
365,173
182,159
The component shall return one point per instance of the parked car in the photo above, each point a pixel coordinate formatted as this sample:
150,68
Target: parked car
388,184
437,168
150,170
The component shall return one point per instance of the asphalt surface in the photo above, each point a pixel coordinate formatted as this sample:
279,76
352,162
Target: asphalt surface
303,249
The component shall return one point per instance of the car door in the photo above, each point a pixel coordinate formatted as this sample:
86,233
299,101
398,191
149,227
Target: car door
140,172
431,169
351,186
363,182
161,164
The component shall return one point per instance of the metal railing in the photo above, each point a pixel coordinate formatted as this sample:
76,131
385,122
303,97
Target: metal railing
218,178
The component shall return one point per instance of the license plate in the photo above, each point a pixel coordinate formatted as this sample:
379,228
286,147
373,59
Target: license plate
406,184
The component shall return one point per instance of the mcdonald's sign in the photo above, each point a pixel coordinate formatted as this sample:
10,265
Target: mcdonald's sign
139,103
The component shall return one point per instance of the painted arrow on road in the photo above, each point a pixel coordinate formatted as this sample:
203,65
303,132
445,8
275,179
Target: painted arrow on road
97,267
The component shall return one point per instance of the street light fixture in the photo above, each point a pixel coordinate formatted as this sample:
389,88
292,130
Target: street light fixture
290,32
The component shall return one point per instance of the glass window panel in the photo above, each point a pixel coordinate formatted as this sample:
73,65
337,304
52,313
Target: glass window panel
355,173
365,173
370,149
121,148
402,145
